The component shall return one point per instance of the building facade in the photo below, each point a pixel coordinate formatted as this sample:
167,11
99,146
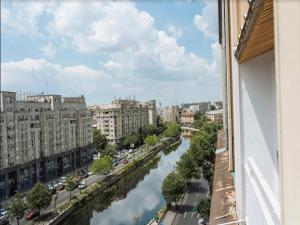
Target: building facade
215,116
122,117
196,107
187,118
261,55
42,137
170,114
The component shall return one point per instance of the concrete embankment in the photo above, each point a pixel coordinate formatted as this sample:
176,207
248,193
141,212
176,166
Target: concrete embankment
96,188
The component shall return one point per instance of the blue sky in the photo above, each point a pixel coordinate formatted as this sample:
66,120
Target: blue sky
164,50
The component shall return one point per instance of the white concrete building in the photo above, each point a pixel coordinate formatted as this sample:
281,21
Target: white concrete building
170,114
122,117
42,137
215,116
261,71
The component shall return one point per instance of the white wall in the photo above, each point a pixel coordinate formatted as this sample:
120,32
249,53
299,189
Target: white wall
256,147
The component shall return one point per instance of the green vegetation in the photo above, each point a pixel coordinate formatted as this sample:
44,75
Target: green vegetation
110,150
99,140
174,185
172,130
103,165
71,185
39,197
151,140
197,161
16,208
203,208
133,138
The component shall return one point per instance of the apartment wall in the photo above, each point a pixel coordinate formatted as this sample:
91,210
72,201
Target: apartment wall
258,160
287,57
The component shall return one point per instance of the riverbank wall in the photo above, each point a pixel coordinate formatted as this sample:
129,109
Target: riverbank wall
90,192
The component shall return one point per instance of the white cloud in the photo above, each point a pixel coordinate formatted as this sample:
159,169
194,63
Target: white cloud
135,55
48,50
175,32
207,21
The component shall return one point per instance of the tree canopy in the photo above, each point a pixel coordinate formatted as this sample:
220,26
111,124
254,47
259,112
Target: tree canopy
203,208
173,187
71,184
110,150
172,130
187,166
151,140
39,197
99,140
103,165
132,138
16,208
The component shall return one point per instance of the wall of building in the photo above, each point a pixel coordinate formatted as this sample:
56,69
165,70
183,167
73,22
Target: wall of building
258,138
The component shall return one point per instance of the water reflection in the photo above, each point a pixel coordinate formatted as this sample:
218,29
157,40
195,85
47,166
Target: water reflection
137,194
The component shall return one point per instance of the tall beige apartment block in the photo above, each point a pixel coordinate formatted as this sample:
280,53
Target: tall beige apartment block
122,117
42,137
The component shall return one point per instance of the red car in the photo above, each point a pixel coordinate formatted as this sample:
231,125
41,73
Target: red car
31,214
125,161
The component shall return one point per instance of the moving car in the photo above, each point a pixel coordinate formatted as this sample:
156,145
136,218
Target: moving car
31,214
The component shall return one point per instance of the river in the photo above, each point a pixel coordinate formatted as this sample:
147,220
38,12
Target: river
136,195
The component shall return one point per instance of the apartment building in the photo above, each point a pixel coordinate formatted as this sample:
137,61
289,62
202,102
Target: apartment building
215,116
122,117
261,55
170,114
187,117
42,137
196,107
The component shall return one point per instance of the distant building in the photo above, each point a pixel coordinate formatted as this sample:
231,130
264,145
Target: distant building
170,114
196,107
187,118
215,116
42,137
122,117
218,104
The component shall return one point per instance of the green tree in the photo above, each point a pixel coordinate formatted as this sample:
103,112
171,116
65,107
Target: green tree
103,165
173,187
150,129
203,208
71,185
187,166
151,140
16,208
199,147
99,140
39,197
200,120
110,150
172,130
132,138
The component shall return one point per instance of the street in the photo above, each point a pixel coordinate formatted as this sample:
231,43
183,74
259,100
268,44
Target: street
186,213
64,196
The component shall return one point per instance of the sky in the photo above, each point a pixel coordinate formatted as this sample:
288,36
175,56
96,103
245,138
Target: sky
161,49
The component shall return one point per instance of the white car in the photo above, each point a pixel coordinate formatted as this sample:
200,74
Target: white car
82,185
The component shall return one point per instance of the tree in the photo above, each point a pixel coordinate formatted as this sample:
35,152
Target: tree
187,166
172,130
71,185
151,140
200,120
16,208
103,165
39,197
150,129
132,138
110,150
203,208
173,187
199,147
99,140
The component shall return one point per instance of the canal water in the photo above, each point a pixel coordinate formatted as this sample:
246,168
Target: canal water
136,195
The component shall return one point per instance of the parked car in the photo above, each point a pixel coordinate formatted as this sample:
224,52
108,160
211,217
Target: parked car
82,185
125,161
3,212
61,187
4,220
130,151
201,221
31,214
63,179
90,173
51,189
